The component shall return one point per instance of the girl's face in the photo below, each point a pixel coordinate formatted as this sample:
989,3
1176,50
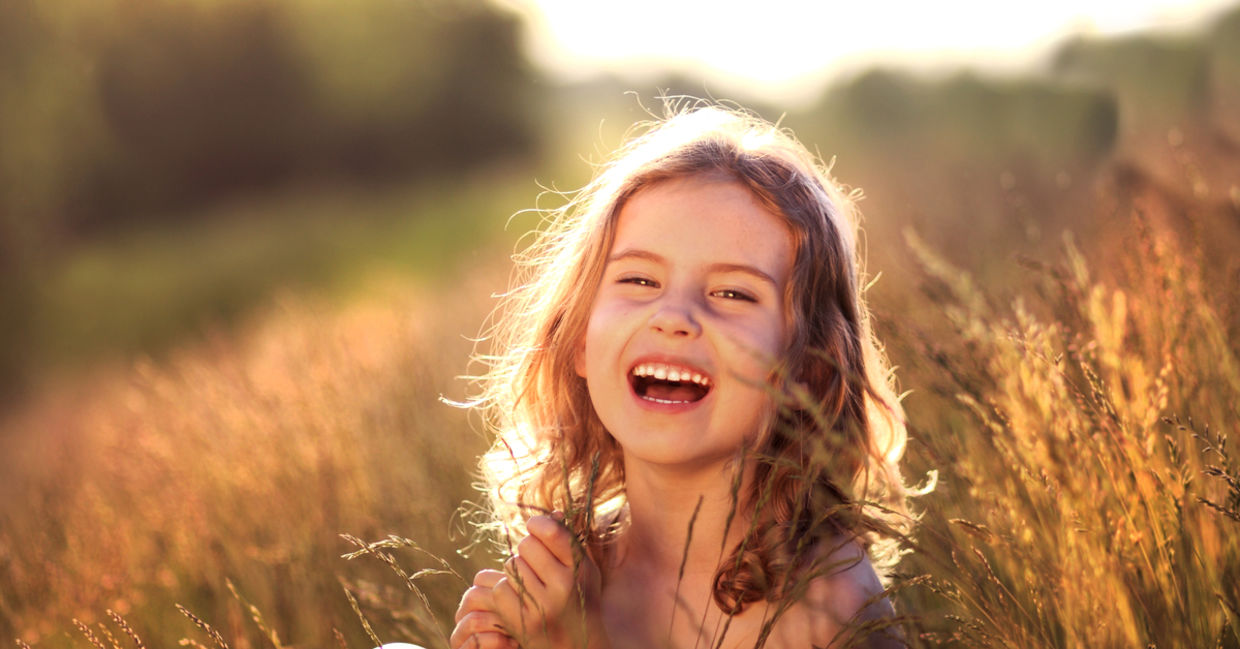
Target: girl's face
688,322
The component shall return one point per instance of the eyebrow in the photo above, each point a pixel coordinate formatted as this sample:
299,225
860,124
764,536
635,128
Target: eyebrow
720,267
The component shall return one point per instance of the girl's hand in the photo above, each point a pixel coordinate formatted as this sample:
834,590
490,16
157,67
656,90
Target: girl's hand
548,597
477,624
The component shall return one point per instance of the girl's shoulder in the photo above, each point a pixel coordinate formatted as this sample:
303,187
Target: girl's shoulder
842,593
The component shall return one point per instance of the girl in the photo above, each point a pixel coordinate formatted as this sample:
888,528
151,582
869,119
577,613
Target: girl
697,438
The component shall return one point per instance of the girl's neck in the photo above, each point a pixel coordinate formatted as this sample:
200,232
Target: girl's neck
661,505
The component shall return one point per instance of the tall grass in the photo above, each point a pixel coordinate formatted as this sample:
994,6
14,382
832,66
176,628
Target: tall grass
1088,494
244,458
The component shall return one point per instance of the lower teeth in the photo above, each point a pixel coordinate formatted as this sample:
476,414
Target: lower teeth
657,400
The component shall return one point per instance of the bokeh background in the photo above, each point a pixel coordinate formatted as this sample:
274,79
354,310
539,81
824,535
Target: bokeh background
245,246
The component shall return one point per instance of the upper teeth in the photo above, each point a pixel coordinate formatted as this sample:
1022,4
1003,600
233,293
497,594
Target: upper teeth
665,372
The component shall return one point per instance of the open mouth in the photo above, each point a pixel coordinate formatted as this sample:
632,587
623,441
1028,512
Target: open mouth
667,383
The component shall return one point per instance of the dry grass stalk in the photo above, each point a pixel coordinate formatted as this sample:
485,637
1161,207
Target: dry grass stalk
340,641
90,635
256,616
357,610
124,626
103,629
410,579
207,628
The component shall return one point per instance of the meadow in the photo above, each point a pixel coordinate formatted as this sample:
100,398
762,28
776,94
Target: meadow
233,461
232,428
1075,425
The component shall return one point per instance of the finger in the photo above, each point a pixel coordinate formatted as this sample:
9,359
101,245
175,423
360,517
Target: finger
475,623
486,640
508,605
553,574
523,576
488,578
554,535
477,598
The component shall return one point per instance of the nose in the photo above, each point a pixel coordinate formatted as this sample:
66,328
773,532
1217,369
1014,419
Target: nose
675,319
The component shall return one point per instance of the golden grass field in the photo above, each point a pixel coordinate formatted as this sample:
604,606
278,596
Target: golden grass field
1080,421
243,457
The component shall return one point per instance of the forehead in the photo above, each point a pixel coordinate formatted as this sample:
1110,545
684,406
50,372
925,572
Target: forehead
705,219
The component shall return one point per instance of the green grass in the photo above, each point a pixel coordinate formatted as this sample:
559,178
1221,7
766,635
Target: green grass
141,291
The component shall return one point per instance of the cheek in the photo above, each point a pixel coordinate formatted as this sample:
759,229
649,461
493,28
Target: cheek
588,342
580,364
773,339
761,356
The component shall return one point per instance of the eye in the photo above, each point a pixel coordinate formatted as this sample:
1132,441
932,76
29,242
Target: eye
734,294
638,280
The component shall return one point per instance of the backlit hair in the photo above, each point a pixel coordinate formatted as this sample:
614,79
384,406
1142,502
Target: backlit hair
828,467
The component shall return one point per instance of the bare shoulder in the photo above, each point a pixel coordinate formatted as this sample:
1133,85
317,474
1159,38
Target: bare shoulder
842,598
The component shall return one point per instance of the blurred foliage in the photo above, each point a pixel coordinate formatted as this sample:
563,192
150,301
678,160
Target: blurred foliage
1225,75
147,290
948,156
119,115
966,116
124,112
1159,81
979,164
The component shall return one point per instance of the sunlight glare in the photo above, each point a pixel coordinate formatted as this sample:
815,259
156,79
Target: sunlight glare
787,46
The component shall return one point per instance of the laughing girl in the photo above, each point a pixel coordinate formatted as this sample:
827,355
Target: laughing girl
696,433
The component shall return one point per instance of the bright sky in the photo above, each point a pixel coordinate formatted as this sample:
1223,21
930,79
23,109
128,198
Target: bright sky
788,49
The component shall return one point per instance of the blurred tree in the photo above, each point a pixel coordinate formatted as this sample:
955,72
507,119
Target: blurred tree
116,114
974,163
881,105
970,117
422,88
31,106
205,102
1158,81
16,286
1225,75
201,103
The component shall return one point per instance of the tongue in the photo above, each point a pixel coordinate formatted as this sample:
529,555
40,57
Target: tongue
672,392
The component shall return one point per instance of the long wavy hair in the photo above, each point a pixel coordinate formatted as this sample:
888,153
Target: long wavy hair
829,465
